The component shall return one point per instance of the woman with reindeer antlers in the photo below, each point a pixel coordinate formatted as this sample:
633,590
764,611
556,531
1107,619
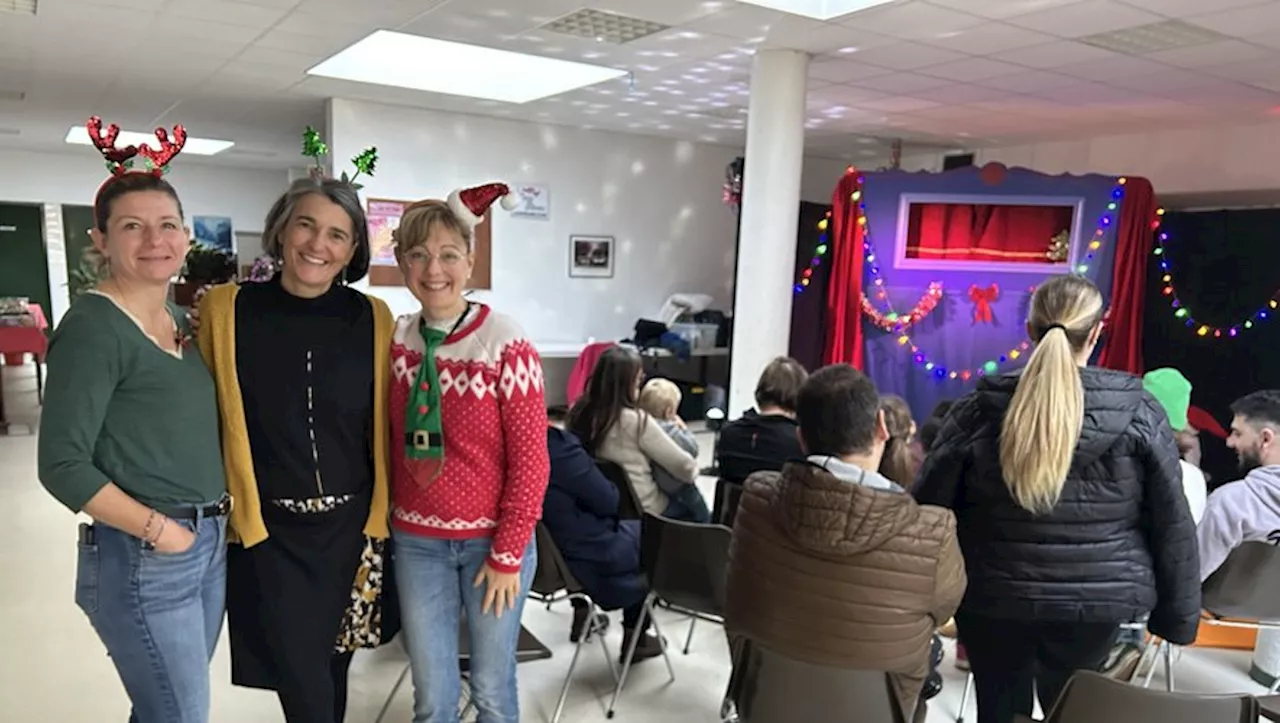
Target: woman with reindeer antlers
129,436
301,365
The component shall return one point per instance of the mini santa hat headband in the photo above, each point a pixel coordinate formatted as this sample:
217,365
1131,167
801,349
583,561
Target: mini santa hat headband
471,204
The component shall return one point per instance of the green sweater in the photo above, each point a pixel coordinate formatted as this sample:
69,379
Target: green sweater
118,408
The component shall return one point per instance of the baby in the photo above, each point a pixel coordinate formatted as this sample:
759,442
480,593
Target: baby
660,398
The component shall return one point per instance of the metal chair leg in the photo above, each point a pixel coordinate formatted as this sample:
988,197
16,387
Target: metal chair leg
573,663
1146,683
657,630
1168,666
392,696
689,638
645,612
964,697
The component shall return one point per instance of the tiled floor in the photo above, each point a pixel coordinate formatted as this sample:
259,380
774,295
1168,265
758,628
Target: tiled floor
52,667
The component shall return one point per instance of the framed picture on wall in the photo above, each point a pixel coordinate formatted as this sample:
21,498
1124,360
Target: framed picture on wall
591,257
214,232
384,218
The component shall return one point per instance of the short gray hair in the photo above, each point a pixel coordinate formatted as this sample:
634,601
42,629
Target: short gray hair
336,191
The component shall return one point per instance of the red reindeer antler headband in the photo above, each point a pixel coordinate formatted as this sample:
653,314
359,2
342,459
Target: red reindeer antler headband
120,160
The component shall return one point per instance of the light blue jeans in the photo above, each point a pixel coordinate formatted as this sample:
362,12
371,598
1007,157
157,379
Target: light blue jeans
159,615
435,579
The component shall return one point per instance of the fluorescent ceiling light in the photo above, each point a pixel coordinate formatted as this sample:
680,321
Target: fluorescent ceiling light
472,71
195,146
818,9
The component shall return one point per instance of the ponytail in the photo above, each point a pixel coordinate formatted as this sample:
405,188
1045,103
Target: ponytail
1041,428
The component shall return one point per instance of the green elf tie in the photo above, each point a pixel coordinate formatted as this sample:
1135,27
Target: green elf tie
424,435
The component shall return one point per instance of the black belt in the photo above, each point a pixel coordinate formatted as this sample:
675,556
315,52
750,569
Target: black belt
220,508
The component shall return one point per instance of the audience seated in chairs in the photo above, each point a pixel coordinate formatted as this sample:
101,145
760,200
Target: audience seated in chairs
1173,392
832,564
765,437
1247,510
929,430
611,426
603,553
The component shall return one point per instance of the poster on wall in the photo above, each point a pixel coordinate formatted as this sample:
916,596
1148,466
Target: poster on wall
214,232
591,257
384,218
534,201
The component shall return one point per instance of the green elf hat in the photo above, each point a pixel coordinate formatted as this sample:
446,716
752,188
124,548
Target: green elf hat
424,432
1173,391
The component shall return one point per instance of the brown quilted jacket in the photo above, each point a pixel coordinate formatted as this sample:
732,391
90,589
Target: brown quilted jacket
839,574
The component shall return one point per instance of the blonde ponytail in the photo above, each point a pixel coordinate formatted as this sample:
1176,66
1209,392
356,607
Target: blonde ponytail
1042,426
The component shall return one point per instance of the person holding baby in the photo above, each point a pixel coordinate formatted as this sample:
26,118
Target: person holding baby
613,425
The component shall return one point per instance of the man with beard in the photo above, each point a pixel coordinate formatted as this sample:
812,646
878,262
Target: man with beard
1247,510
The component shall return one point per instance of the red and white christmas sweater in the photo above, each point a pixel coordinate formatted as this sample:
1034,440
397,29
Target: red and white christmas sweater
494,422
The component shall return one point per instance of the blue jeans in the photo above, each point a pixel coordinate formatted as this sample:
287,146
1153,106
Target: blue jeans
688,505
159,615
435,582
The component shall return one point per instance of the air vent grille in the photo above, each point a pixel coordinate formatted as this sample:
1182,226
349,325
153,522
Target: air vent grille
1145,39
601,26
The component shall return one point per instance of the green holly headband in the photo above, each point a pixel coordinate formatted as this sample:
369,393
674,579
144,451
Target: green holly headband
313,146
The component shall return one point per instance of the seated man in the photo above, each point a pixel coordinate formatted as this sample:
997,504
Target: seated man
765,437
1247,510
831,563
580,511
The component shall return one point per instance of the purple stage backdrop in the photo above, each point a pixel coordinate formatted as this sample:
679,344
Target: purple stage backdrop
949,338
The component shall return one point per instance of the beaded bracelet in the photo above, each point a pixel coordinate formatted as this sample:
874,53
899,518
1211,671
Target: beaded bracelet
146,529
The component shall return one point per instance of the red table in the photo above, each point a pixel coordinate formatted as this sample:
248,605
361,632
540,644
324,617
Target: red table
18,341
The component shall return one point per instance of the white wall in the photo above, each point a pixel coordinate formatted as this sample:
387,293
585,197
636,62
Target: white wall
72,178
1195,161
660,199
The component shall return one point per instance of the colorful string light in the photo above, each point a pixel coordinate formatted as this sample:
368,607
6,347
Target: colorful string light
922,358
1170,292
898,322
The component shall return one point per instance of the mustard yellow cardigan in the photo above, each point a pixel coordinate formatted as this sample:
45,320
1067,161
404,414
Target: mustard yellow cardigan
217,340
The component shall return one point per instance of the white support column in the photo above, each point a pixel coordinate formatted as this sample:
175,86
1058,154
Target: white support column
770,217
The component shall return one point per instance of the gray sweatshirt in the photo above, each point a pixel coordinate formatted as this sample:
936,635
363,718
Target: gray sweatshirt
1246,510
666,481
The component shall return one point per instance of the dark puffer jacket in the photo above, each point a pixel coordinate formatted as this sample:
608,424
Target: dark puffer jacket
1120,541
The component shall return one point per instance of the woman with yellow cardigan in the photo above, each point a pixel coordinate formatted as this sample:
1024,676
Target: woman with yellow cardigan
301,366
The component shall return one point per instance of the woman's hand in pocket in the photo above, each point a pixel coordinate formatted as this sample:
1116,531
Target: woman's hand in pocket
174,539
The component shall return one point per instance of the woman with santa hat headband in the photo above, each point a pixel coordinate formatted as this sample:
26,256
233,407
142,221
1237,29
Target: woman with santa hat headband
469,461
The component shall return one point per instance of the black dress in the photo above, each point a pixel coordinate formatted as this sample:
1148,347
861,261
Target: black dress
296,601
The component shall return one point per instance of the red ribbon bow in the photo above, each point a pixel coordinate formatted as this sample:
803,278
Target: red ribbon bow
983,298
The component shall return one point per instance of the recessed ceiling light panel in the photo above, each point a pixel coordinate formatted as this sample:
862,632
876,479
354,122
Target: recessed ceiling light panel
1153,38
19,7
604,27
79,135
818,9
413,62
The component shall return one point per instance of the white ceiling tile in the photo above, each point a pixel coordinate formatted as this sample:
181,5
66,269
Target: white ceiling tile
1125,66
225,11
286,42
843,94
229,37
1249,70
999,9
914,20
988,38
971,69
1237,95
962,93
667,12
902,83
322,25
844,71
900,104
1186,8
1054,55
1087,94
1172,82
907,56
1241,21
824,39
1029,81
1226,51
1085,18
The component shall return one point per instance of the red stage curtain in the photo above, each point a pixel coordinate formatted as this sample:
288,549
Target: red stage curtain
1123,347
983,232
844,295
